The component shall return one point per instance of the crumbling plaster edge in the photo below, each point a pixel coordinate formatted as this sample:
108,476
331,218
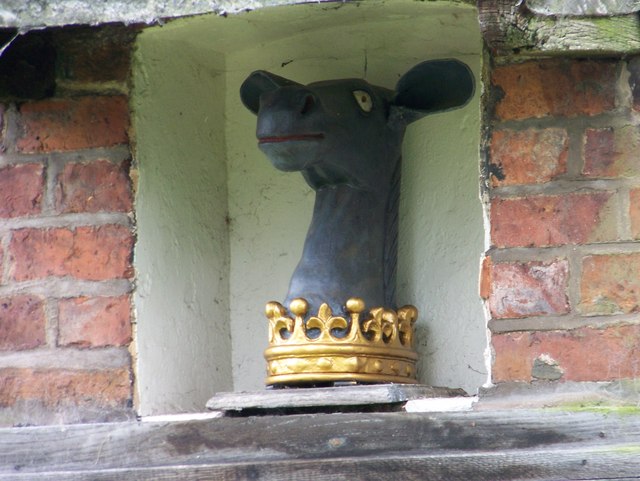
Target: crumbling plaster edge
32,14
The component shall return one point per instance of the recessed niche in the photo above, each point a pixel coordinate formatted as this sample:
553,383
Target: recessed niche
220,230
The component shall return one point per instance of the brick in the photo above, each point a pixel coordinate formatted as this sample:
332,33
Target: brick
486,279
610,284
35,253
83,53
634,212
539,221
634,81
74,123
94,187
611,153
528,289
21,188
55,388
89,253
545,368
94,322
102,253
531,156
22,323
585,354
556,87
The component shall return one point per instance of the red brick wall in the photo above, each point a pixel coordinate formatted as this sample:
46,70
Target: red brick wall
562,278
66,238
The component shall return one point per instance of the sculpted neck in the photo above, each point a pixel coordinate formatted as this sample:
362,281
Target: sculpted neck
346,248
358,214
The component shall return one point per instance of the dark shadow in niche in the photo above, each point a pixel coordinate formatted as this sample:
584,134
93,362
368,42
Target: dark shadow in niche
27,65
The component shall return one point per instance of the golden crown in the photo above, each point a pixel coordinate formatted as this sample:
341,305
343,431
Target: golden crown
376,346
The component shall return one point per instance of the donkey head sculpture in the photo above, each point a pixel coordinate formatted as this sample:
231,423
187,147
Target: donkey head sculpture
345,137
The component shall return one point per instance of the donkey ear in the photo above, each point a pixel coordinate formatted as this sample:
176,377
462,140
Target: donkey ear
256,84
432,86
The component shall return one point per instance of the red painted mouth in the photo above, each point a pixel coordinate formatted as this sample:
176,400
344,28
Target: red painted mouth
290,138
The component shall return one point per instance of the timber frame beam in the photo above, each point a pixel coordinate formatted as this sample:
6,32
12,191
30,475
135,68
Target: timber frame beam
523,28
515,444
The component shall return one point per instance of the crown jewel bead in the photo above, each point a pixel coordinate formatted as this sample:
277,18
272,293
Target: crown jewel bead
299,307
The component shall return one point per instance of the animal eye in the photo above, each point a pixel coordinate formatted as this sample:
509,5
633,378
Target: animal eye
365,102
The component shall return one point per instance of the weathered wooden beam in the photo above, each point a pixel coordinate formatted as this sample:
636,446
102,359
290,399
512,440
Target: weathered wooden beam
538,465
583,7
536,444
509,28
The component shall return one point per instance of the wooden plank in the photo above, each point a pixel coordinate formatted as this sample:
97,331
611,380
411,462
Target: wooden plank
475,445
612,35
510,29
356,395
621,461
587,8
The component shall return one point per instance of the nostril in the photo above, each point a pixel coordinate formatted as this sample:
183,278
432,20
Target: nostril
309,103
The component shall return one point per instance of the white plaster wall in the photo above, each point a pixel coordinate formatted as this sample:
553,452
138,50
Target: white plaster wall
441,241
269,211
182,333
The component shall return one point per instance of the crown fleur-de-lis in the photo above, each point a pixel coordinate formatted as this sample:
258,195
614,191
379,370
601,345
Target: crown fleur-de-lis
407,316
368,346
325,322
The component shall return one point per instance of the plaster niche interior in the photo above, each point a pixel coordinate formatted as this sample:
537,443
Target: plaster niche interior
220,230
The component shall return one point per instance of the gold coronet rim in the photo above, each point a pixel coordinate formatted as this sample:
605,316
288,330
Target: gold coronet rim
314,350
318,377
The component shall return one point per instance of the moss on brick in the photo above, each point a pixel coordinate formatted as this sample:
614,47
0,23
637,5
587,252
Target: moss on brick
600,407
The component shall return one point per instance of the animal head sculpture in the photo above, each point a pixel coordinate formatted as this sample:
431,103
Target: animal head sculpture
345,137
